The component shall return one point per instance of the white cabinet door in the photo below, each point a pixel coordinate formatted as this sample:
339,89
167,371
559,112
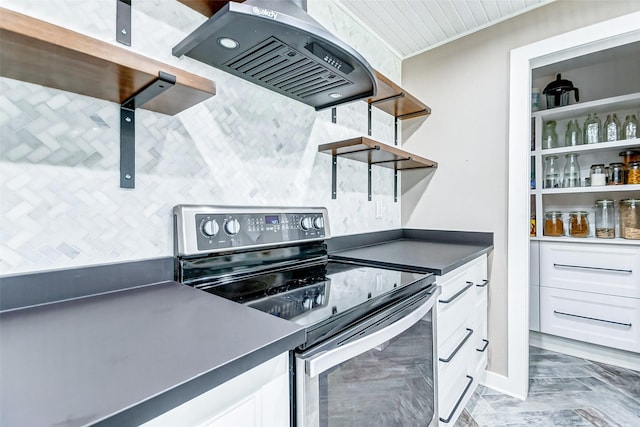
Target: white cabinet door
256,398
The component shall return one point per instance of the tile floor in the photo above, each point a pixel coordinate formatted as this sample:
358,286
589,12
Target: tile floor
563,391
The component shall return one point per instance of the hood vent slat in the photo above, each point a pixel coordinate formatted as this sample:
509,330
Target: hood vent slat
274,57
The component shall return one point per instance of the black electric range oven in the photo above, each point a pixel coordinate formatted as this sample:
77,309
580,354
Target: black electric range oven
369,355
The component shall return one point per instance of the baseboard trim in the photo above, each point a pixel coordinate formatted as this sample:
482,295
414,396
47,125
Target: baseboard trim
597,353
502,384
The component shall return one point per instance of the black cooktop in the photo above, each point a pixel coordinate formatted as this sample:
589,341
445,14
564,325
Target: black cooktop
324,298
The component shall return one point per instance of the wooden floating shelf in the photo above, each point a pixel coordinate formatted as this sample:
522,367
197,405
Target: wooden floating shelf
206,7
390,97
367,150
38,52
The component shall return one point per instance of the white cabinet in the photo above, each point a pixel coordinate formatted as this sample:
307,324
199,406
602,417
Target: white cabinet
256,398
461,336
591,293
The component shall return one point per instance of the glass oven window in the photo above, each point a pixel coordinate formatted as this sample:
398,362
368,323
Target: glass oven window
390,385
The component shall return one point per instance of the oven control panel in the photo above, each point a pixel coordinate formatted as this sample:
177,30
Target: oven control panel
202,229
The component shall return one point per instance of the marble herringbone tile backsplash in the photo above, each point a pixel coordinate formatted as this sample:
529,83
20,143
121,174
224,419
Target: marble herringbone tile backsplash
60,201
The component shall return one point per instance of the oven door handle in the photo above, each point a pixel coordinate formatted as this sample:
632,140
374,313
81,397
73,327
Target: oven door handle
325,360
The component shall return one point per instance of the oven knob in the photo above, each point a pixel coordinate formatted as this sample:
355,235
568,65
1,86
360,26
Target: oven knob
306,223
318,223
232,227
210,228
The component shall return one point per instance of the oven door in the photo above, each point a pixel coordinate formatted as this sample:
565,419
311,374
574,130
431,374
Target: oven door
381,372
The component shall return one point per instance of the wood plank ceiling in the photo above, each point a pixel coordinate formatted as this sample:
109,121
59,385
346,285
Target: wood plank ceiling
409,27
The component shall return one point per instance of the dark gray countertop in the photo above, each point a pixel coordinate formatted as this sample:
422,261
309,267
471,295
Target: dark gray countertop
425,251
126,356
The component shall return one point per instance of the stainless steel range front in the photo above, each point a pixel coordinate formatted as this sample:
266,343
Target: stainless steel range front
369,355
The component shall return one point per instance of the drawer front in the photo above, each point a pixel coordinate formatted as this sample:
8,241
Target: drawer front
453,281
602,269
452,380
600,319
481,340
453,318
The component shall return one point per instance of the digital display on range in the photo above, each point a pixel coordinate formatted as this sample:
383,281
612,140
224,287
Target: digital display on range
272,219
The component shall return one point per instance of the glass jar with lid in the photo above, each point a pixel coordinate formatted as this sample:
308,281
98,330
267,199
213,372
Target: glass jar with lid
551,172
578,224
553,225
630,219
549,135
571,171
605,219
598,175
633,173
629,156
616,174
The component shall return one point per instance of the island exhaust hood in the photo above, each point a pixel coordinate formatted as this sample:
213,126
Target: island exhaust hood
277,45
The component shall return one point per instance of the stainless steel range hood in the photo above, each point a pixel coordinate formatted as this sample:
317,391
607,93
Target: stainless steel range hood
277,45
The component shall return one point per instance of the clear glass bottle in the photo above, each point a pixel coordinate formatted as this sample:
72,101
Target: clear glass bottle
571,171
630,219
551,172
573,135
598,175
605,219
592,131
553,224
630,128
578,224
616,174
611,131
549,135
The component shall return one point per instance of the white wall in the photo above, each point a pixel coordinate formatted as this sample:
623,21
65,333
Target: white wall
466,84
60,201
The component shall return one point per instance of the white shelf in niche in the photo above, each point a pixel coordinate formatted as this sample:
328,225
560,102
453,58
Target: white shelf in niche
628,188
605,105
568,239
601,146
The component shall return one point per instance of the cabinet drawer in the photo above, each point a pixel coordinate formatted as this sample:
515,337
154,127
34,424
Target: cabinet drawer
603,269
453,318
481,342
452,378
611,321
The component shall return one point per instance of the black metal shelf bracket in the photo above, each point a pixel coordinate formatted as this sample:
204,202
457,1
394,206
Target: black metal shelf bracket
334,115
395,185
369,119
128,125
334,176
334,170
369,181
123,22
